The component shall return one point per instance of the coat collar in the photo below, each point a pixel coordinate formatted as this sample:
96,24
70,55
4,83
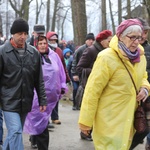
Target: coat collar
114,45
10,48
98,46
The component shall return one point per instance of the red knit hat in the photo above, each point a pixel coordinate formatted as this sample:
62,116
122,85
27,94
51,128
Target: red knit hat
103,35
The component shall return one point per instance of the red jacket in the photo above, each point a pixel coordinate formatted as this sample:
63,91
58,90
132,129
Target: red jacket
59,52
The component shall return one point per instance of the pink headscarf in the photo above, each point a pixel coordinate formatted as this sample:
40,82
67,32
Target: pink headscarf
125,24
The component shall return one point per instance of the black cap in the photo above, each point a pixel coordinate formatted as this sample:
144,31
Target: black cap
19,25
90,36
39,28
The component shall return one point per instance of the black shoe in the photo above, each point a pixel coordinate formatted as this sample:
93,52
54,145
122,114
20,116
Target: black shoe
32,139
74,108
34,146
50,126
142,141
85,137
1,147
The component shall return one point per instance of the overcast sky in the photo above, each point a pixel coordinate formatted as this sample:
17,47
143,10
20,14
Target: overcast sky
93,15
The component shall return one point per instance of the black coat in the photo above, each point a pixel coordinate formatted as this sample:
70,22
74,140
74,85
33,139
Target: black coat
76,57
146,47
18,78
88,58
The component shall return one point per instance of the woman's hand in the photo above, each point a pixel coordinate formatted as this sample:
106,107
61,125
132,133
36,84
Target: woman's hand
42,108
142,95
85,129
86,132
76,78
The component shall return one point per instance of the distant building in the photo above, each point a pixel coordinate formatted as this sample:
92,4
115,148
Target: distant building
139,11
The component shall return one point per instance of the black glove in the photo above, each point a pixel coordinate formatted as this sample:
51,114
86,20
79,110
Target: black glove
62,91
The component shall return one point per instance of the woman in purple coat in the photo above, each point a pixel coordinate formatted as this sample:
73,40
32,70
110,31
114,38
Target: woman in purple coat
55,85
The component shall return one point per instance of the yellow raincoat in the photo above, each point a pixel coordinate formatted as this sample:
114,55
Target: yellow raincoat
109,99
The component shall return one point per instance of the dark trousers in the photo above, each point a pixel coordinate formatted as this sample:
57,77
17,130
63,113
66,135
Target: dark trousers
75,88
138,137
1,127
54,115
42,140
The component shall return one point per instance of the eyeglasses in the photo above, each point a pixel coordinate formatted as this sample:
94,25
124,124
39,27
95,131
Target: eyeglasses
133,38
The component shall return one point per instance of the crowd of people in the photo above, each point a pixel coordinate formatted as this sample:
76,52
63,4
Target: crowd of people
34,76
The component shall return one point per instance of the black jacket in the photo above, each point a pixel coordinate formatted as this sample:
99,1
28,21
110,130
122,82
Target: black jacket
76,57
146,47
18,78
30,40
88,58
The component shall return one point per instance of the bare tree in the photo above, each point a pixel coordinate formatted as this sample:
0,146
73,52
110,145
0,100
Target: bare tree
111,15
48,16
62,26
128,9
38,10
146,3
104,23
79,21
119,11
7,27
23,10
1,29
54,15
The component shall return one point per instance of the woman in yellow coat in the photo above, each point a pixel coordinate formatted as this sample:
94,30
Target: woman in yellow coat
110,99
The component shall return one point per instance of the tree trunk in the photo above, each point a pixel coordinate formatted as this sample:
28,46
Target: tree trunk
62,26
38,10
23,12
119,11
104,22
111,15
79,21
128,9
1,30
147,5
48,16
54,15
37,14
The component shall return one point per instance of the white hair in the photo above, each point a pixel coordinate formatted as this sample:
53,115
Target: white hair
130,29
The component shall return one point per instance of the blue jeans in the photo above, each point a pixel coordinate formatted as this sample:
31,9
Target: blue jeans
14,123
1,127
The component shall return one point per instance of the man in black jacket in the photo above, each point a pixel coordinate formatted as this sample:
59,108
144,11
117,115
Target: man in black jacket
20,73
88,58
38,29
76,57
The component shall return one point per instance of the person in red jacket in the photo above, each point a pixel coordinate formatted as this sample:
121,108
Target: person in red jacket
53,44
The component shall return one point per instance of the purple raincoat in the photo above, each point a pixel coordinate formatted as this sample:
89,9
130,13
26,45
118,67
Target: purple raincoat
54,79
